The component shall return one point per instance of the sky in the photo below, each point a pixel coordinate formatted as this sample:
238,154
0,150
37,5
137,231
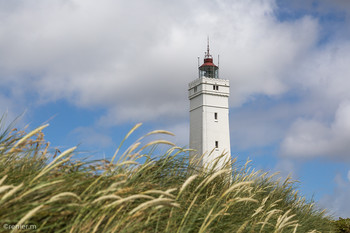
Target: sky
93,69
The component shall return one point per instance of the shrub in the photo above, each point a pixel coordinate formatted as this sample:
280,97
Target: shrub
342,225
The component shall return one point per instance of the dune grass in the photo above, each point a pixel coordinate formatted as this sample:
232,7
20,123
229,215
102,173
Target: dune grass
166,193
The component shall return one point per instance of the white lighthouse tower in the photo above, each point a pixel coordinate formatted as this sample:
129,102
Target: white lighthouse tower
209,115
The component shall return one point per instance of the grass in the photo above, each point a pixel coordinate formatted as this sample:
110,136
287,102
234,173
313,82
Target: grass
166,193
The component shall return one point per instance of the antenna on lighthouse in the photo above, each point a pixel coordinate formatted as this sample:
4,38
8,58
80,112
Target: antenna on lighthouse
208,47
218,65
207,54
199,72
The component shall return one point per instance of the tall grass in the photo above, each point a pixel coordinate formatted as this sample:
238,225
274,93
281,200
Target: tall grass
166,193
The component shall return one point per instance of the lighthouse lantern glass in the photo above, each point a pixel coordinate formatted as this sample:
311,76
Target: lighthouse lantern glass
208,72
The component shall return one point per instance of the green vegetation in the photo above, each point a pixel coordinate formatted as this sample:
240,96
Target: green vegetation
342,225
166,193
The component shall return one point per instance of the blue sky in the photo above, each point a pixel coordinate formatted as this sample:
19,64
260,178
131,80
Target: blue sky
94,69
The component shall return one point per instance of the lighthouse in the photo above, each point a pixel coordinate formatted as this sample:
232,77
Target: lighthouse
209,116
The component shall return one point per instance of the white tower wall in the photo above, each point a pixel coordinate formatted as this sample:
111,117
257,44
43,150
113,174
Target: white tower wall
209,136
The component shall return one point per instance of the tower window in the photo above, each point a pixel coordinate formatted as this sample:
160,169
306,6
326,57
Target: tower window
195,89
216,87
215,115
213,87
216,144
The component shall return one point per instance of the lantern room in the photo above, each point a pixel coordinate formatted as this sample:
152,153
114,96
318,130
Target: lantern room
208,69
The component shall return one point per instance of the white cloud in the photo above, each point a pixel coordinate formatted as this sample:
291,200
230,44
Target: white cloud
325,72
310,138
136,58
316,83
